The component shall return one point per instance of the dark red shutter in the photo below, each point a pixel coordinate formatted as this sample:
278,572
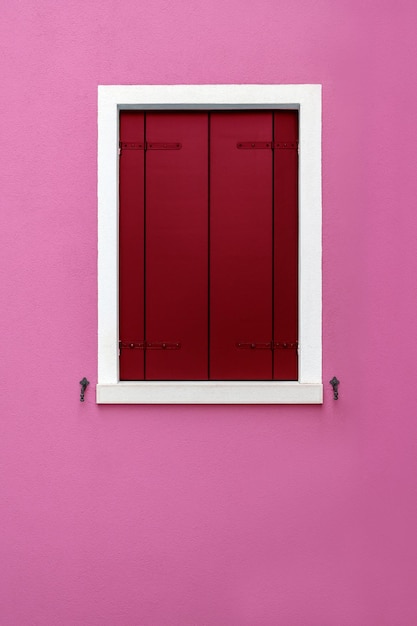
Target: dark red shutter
131,238
176,289
241,215
286,245
209,245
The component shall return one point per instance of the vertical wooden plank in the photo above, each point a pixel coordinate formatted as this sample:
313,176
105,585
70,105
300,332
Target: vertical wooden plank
241,211
131,240
286,244
176,245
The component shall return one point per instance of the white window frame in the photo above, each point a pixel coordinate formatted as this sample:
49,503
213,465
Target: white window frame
307,100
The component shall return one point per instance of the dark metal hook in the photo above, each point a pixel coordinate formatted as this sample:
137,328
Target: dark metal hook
335,384
84,382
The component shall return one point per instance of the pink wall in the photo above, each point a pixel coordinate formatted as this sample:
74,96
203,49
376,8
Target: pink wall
207,516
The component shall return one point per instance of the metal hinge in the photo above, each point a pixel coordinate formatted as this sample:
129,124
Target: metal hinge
175,145
285,145
270,345
131,145
254,145
272,145
132,345
162,345
253,346
285,345
149,345
137,145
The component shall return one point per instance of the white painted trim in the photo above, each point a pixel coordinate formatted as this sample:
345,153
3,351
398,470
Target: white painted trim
305,98
210,392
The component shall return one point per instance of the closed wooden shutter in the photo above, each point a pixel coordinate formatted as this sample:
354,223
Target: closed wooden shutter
131,244
241,212
176,286
208,245
285,245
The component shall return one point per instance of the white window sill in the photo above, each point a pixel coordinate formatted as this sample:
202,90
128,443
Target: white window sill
210,392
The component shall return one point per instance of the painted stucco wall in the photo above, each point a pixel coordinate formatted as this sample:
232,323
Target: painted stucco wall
207,516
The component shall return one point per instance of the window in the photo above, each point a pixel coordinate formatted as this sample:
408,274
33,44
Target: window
212,154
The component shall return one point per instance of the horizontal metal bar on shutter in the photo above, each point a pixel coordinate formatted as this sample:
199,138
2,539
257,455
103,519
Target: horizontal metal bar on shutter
163,345
132,345
271,345
262,145
134,145
285,145
253,145
253,346
163,146
152,345
131,145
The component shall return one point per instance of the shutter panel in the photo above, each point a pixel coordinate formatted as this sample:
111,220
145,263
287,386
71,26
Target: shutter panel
131,244
176,289
286,245
193,313
241,212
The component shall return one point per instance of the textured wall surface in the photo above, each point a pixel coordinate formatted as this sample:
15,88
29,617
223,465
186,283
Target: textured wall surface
207,516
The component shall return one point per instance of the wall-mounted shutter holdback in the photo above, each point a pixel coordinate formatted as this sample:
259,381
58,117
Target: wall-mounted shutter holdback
335,384
84,383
